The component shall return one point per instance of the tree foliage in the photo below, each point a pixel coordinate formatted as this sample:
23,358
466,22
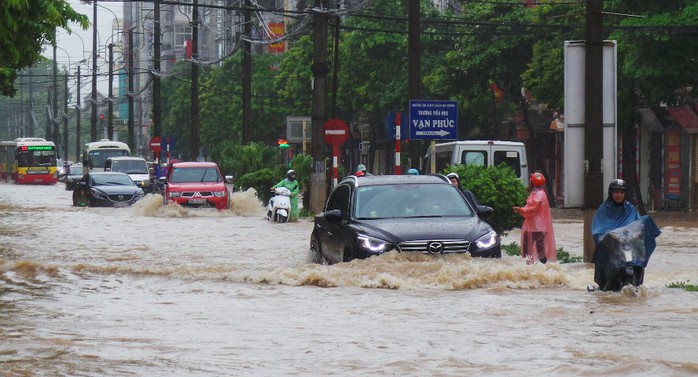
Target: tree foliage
26,26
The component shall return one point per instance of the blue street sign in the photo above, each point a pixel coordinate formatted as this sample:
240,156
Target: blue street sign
433,120
164,141
390,125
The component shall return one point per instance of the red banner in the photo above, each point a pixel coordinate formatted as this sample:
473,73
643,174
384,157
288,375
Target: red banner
673,166
278,30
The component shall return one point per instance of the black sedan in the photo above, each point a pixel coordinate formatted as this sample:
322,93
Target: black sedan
372,215
106,189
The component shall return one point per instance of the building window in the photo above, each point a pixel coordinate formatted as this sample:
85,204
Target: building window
182,33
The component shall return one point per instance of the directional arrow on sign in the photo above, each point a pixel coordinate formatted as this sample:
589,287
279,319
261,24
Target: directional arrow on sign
441,133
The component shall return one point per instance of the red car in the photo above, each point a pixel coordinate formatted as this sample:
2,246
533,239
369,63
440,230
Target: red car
196,184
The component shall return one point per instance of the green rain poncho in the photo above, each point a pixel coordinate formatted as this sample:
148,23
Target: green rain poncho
293,186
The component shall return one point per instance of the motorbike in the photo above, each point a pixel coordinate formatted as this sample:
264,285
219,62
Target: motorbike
279,207
622,255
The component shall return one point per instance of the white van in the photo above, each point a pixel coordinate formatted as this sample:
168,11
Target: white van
481,153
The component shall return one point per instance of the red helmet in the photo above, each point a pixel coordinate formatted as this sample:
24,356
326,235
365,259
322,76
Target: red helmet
537,179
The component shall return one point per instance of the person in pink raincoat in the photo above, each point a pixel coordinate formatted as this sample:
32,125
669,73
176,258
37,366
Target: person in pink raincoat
537,238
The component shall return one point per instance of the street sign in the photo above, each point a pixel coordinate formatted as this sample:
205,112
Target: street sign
433,120
167,144
155,144
335,132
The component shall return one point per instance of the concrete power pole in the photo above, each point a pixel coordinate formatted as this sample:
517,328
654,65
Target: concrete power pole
93,117
247,75
78,116
110,105
318,186
156,69
593,115
194,146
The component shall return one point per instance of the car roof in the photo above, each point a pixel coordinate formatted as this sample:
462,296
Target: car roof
376,180
107,173
194,164
125,158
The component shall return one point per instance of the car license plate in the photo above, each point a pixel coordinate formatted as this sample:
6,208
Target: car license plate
120,204
197,201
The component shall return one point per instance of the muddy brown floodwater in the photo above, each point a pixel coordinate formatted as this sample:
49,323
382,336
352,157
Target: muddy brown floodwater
166,291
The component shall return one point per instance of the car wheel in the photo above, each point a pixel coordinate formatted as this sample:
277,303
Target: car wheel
316,252
348,255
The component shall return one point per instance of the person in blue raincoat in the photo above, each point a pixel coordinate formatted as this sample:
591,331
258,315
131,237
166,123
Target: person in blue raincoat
623,240
613,213
291,183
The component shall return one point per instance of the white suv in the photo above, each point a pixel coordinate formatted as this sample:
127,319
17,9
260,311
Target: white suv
135,167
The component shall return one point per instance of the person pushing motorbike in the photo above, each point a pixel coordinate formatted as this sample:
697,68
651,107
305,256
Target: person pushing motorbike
291,183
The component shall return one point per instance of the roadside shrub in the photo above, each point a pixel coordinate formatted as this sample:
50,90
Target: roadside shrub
563,256
240,159
497,187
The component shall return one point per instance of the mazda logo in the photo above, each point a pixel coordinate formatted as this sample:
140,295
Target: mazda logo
121,197
436,247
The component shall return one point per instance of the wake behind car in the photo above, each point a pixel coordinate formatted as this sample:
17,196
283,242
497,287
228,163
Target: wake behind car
196,184
372,215
106,189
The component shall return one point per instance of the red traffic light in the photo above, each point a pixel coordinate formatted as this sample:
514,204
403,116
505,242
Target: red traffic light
101,116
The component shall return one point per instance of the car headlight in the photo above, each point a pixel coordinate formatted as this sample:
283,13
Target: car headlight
97,193
488,240
219,194
174,194
372,244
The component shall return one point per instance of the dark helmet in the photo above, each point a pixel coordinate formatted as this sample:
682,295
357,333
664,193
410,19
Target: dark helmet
537,179
290,172
617,184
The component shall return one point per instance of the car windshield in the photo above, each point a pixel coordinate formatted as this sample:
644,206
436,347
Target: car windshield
410,200
130,166
196,174
111,179
75,170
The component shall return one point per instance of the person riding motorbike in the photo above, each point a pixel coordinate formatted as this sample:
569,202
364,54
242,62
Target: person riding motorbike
291,183
624,241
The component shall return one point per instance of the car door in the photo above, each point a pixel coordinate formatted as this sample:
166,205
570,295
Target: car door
332,234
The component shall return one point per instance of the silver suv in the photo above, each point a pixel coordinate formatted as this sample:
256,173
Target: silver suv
135,167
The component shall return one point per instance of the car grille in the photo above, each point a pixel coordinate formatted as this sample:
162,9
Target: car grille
435,246
198,194
120,197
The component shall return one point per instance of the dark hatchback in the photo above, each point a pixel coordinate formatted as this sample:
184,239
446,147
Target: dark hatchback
372,215
106,189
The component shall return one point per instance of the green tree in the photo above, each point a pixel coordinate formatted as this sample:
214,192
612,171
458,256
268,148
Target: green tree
25,27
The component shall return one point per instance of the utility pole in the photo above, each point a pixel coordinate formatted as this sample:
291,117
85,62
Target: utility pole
246,75
414,77
65,119
195,82
130,89
156,69
593,115
30,131
54,102
93,118
318,188
110,105
78,116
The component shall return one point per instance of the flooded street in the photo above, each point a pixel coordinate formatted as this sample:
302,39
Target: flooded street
165,291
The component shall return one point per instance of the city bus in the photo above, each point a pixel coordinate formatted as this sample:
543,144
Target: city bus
28,160
95,154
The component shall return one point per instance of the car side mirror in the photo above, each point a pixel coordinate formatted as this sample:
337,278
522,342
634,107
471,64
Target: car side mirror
485,212
333,215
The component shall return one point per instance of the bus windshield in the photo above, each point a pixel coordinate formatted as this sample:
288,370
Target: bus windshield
99,156
36,158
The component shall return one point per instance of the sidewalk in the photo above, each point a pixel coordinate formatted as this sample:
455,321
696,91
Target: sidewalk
662,218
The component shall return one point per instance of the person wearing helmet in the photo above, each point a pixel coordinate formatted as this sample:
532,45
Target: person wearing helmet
469,196
614,212
412,171
537,238
361,171
291,183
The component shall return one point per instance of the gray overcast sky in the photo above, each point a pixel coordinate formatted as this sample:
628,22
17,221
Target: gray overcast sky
77,46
